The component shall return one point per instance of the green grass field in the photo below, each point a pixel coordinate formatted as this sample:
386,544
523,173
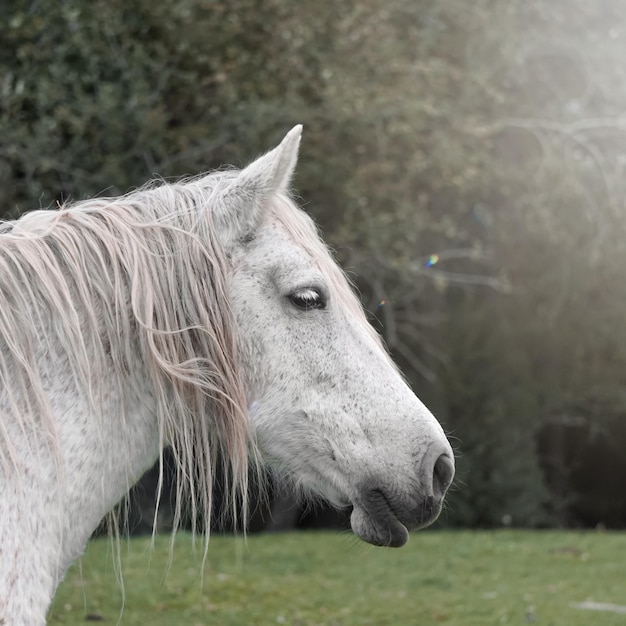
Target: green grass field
305,579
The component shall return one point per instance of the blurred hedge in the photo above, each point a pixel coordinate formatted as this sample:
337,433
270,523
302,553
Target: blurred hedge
99,96
488,134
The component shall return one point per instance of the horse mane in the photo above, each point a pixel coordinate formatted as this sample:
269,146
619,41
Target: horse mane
110,281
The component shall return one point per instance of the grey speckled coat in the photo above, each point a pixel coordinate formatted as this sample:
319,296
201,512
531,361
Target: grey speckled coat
202,314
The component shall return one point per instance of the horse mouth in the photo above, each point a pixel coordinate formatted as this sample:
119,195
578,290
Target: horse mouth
381,521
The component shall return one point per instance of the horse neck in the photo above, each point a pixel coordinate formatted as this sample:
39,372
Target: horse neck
51,508
78,425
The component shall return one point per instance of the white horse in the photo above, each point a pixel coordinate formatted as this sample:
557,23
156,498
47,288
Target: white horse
206,315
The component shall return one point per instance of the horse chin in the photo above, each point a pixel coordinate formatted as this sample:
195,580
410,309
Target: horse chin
380,528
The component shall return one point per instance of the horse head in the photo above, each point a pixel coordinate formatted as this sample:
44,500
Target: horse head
328,406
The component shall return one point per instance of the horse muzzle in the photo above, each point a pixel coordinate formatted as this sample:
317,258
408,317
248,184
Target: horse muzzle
383,514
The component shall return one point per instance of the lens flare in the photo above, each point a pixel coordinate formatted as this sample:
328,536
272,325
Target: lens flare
432,259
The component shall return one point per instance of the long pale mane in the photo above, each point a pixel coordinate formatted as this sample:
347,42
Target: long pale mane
109,283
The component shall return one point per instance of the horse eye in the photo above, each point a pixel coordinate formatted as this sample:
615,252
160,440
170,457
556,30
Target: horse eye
307,299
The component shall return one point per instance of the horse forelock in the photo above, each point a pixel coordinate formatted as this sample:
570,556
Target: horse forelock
144,272
304,233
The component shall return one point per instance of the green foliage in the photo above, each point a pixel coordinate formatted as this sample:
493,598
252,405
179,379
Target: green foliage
306,579
496,417
98,96
490,134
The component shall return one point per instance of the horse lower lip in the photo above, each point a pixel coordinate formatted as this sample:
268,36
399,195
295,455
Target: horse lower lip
380,520
375,521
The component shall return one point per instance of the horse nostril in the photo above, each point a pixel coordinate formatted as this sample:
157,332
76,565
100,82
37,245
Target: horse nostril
443,474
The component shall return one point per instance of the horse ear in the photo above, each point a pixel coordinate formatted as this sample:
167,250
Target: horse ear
272,172
243,200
